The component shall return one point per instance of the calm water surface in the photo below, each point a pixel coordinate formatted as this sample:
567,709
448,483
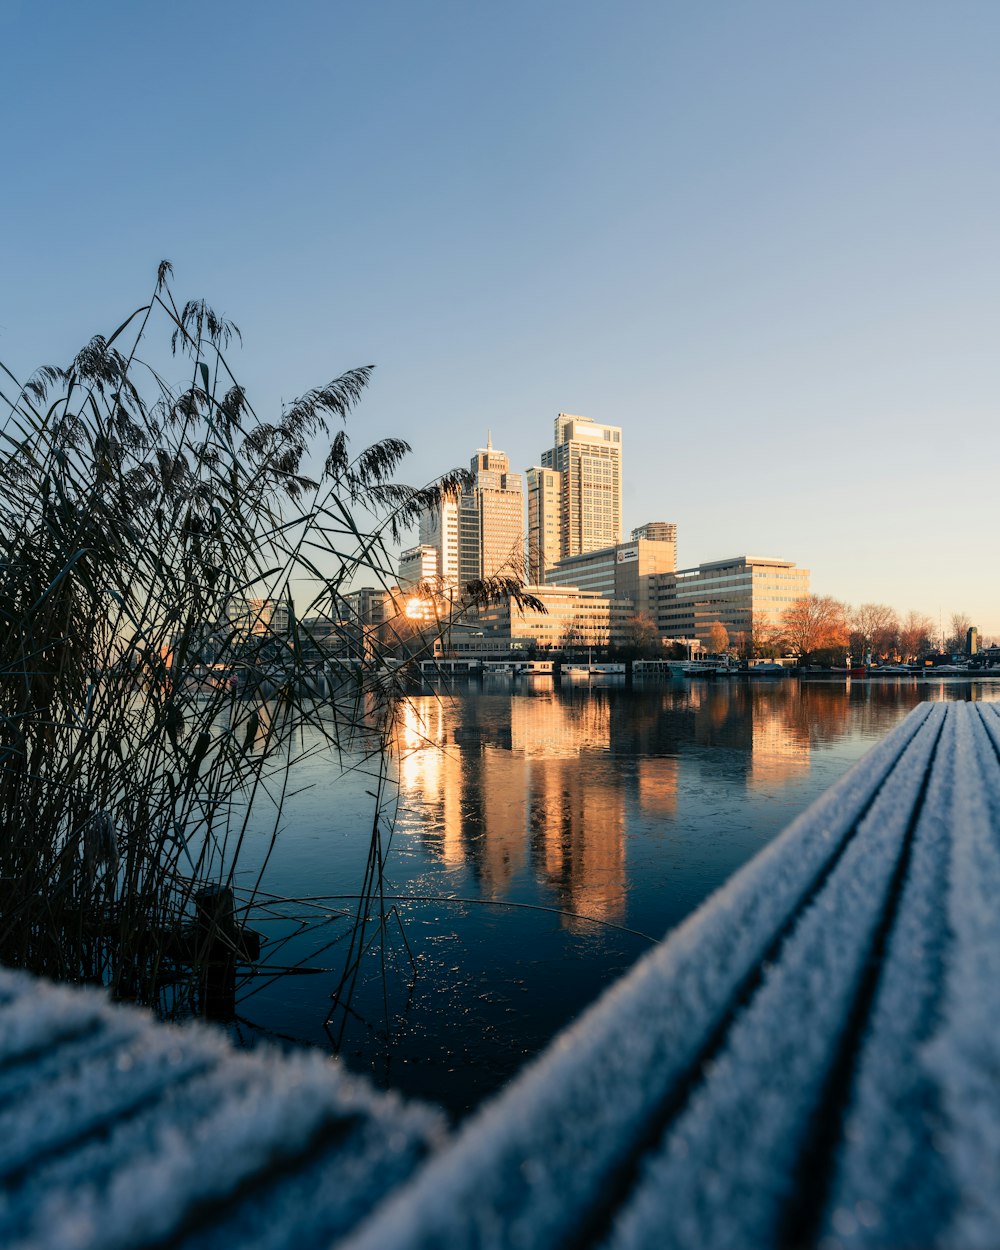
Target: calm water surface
539,840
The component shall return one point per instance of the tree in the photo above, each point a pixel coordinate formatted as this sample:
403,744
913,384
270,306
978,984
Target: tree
874,630
717,639
765,636
916,636
960,626
573,635
641,637
814,624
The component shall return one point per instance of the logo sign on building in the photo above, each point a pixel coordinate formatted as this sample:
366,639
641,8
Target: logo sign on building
626,554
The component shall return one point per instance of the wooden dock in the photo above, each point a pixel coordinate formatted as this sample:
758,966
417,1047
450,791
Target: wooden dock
812,1059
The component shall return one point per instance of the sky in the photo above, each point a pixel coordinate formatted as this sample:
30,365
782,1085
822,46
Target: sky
760,237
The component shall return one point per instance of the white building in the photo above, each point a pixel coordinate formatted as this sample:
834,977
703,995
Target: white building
418,564
439,529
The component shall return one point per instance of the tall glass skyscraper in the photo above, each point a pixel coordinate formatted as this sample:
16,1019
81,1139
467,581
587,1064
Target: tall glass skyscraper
582,506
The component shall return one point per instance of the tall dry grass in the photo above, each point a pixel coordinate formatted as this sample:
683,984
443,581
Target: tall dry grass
134,515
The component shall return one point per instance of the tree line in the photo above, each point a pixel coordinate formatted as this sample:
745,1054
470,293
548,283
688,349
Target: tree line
819,628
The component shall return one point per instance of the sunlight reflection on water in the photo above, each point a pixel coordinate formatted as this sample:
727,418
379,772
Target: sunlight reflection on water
540,833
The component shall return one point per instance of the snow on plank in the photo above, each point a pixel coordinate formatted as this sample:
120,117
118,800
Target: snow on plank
964,1054
146,1134
734,1168
547,1163
891,1184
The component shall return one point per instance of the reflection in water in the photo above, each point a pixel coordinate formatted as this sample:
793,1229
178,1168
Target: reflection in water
656,786
542,781
521,810
578,837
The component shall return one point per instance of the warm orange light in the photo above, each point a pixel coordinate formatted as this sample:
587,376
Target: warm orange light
418,609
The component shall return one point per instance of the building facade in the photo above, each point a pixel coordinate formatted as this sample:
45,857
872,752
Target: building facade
735,592
479,534
544,525
624,571
438,528
256,617
657,532
492,544
573,620
417,564
587,456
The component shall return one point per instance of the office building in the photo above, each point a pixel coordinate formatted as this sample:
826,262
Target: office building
369,605
492,544
256,617
544,504
734,592
625,571
438,528
418,564
479,534
587,493
573,620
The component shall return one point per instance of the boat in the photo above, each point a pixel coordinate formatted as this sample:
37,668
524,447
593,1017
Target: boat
702,668
693,668
538,668
768,668
576,670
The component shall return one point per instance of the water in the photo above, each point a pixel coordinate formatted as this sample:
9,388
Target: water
541,839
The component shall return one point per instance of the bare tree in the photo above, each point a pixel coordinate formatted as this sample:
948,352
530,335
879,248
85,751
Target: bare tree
874,630
960,626
765,636
916,636
642,638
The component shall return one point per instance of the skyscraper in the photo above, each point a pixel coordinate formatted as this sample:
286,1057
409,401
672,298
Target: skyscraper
439,529
480,533
491,519
656,531
544,504
586,495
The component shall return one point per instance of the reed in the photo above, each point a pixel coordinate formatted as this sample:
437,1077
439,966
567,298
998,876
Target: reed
149,708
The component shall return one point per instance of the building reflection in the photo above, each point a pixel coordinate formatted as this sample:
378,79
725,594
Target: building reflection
506,786
430,770
520,786
577,822
657,784
780,747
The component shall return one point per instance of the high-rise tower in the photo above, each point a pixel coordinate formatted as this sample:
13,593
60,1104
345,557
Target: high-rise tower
587,493
480,533
491,519
544,510
439,529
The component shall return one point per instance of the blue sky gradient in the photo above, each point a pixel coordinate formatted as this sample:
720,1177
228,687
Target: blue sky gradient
761,237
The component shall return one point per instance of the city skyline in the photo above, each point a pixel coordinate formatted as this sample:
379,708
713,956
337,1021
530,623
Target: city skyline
761,240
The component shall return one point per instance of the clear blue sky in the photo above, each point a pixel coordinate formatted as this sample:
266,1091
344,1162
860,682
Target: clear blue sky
761,237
